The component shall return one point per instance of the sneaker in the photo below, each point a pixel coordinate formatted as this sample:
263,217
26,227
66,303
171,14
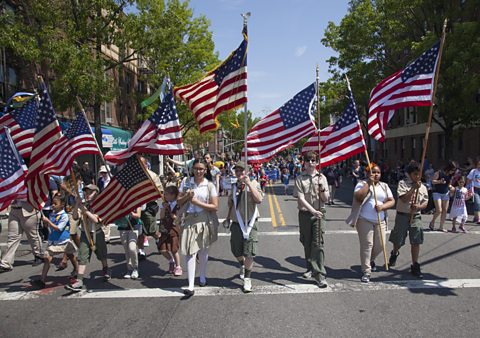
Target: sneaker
38,283
373,266
415,270
365,278
37,261
106,274
128,275
247,285
202,284
443,230
75,286
171,267
135,274
307,274
393,258
177,271
141,255
145,242
5,269
321,281
242,272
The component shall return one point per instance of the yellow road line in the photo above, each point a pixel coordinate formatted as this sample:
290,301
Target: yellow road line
280,215
272,211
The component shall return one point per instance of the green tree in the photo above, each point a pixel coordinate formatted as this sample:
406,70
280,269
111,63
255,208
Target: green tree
378,37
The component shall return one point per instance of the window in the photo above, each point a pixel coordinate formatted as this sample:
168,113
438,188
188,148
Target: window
402,150
106,112
414,144
410,116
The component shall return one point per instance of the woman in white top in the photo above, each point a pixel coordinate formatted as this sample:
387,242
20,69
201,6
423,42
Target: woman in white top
200,222
473,183
365,217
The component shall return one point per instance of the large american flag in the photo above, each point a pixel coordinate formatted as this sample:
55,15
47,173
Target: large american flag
223,89
77,140
129,189
283,127
22,121
47,132
410,87
12,173
341,140
159,134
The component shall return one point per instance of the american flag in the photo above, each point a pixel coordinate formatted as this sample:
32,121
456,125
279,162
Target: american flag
160,135
12,173
223,89
129,189
21,122
283,127
47,132
410,87
340,140
77,140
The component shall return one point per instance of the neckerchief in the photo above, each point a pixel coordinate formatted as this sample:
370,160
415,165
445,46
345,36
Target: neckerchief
248,228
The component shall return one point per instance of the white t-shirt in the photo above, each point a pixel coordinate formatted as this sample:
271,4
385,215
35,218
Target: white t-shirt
200,193
368,210
474,176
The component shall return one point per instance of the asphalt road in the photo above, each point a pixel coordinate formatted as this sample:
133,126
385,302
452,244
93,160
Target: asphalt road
444,304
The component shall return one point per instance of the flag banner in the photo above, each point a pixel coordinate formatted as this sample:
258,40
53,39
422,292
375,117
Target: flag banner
410,87
341,140
129,189
283,127
159,134
12,173
77,140
47,132
22,121
157,95
222,89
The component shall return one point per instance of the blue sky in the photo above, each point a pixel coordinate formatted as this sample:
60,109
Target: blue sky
284,43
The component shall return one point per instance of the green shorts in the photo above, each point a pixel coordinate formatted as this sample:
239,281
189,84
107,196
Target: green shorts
402,226
240,246
84,251
149,221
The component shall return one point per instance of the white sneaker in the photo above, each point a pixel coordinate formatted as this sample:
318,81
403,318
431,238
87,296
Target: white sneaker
135,274
247,285
242,272
128,275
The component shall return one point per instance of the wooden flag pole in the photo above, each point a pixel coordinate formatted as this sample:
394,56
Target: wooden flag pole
430,113
96,142
245,17
382,240
86,226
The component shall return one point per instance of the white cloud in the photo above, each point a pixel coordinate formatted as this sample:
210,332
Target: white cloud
299,51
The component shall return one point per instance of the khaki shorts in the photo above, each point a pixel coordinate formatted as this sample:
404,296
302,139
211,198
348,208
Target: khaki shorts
150,226
84,251
243,247
73,225
68,248
403,226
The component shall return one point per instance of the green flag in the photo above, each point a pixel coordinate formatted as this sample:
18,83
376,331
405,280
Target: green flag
158,94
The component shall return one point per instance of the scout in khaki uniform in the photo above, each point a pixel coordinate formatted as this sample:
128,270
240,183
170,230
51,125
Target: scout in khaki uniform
406,205
244,238
312,191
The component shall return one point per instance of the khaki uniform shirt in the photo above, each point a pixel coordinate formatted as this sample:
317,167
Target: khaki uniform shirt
156,180
404,186
308,187
241,204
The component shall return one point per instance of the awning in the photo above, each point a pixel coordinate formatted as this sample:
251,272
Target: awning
115,138
112,138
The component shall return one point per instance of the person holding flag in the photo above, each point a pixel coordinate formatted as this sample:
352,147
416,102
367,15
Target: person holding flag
244,237
312,191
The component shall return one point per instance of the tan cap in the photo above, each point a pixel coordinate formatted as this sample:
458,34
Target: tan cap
92,187
103,169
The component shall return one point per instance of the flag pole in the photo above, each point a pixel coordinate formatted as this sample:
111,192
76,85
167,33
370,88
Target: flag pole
86,226
96,142
430,113
382,239
319,122
245,17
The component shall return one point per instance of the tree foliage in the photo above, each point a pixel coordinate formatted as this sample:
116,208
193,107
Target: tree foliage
378,37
